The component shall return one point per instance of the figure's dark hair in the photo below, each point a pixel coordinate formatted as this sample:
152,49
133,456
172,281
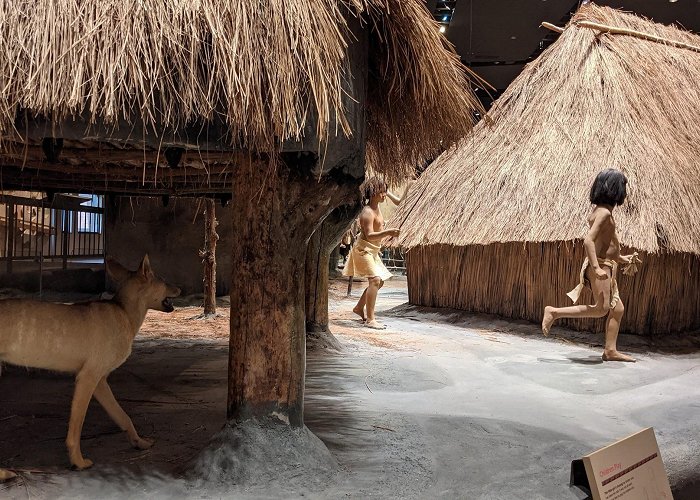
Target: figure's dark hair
609,188
371,187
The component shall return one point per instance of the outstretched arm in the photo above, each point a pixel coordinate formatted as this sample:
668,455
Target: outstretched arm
396,199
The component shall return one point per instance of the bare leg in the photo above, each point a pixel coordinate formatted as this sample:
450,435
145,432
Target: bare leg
375,283
601,292
612,328
85,384
359,309
104,395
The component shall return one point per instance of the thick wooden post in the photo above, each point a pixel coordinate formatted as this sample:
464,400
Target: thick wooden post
321,245
334,258
208,255
275,211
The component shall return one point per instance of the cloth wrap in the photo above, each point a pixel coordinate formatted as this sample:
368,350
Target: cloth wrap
583,281
364,261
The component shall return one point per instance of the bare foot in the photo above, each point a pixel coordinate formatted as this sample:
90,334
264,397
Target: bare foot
6,475
375,325
547,320
617,356
360,311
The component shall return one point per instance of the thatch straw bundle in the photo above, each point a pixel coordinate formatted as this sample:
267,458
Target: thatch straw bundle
593,100
264,67
589,102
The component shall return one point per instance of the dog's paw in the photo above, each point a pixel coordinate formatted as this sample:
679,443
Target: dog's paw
82,464
142,443
6,475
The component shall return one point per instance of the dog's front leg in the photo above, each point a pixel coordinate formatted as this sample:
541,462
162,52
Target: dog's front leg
85,383
104,395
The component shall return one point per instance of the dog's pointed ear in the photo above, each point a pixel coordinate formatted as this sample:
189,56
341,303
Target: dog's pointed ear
115,270
145,267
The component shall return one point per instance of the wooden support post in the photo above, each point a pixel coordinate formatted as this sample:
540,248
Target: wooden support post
10,235
275,210
208,255
321,245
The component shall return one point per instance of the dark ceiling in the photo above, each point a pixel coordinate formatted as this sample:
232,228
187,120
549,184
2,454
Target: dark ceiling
498,37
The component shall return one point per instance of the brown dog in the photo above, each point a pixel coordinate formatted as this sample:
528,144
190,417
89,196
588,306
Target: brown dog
89,339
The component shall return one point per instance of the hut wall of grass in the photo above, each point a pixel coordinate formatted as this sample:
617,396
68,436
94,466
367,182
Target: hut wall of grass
517,280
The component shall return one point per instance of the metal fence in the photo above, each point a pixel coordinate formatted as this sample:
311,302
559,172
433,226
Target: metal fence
393,259
36,230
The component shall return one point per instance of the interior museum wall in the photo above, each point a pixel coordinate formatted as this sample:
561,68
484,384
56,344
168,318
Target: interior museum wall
172,235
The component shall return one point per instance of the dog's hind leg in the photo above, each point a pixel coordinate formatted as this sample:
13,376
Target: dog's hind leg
85,383
104,395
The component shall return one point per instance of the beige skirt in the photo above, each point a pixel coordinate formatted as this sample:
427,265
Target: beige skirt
364,261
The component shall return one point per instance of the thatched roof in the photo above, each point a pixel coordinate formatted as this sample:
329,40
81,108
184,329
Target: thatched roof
592,100
270,71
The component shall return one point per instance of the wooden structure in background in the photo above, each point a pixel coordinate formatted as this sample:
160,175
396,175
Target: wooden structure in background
276,113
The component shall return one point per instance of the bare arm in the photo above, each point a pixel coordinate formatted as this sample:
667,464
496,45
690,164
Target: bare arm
396,199
367,226
600,221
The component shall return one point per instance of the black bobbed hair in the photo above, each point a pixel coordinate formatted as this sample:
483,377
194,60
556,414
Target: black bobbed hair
609,188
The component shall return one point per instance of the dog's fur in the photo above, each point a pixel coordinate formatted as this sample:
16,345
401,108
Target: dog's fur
89,339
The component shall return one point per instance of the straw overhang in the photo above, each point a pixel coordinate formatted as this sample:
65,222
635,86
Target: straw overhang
266,69
592,100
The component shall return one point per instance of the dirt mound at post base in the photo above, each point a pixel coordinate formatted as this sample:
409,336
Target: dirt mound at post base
266,454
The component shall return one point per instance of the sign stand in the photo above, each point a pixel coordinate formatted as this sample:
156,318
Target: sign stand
628,469
579,478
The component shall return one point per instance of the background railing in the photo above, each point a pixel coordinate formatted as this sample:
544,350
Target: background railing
38,230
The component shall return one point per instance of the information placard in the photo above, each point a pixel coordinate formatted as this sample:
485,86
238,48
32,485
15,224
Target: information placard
629,469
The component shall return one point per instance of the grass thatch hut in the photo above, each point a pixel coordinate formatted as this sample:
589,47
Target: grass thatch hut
277,104
495,224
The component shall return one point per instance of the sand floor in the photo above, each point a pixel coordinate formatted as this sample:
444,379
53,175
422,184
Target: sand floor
440,405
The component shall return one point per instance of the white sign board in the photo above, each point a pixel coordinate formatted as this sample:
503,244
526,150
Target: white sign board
629,469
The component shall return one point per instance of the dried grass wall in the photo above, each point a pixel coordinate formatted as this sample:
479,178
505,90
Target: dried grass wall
516,280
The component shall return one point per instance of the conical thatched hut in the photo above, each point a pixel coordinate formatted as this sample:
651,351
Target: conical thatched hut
277,104
495,224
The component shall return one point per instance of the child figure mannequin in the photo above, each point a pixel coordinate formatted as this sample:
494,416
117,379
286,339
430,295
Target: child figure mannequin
365,260
599,270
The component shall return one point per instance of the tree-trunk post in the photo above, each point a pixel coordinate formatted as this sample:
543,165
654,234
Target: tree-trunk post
274,213
208,256
333,259
318,256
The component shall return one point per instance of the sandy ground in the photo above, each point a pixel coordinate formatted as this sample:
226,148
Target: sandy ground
440,405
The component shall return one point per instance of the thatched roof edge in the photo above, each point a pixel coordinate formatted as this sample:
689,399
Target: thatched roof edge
264,67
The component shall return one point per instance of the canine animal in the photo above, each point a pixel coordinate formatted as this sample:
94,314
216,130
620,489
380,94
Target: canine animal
89,339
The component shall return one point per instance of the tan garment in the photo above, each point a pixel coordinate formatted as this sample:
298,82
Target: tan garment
583,281
364,261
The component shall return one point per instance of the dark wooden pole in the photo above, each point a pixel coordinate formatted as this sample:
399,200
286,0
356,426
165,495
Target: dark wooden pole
318,255
274,212
208,256
333,260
